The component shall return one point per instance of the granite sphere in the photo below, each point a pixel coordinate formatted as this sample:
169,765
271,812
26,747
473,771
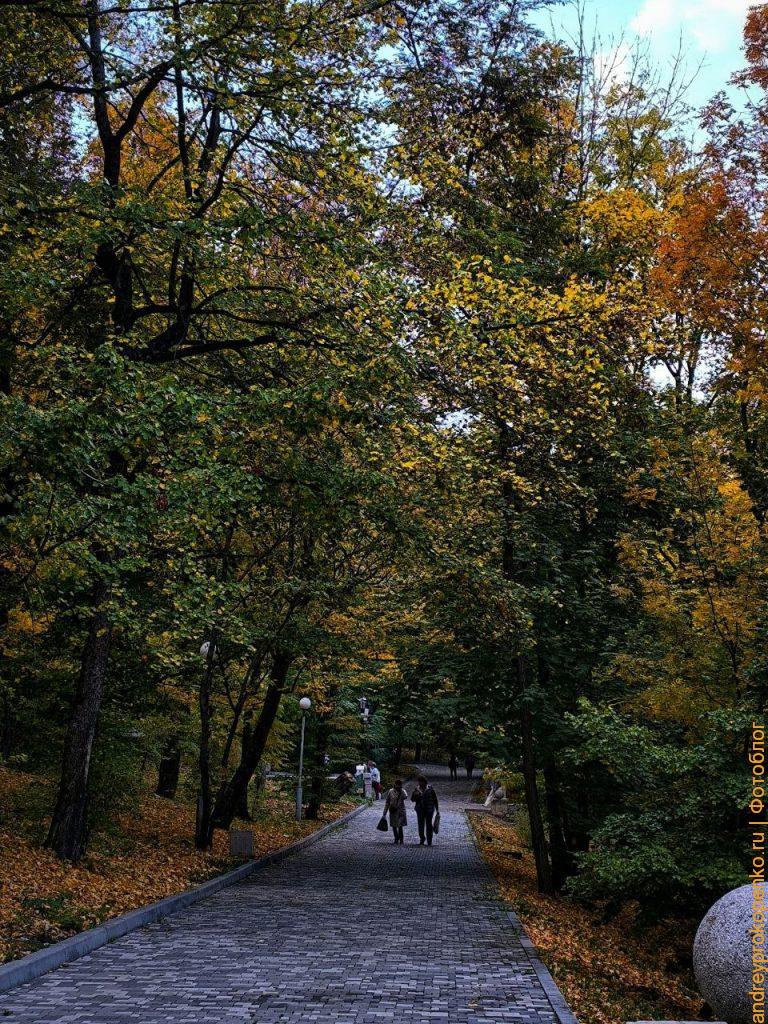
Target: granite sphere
722,956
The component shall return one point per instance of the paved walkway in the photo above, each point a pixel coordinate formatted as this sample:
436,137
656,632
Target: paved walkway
352,930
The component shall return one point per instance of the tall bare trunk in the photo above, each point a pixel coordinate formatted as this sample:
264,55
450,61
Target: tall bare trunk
6,726
243,810
203,820
68,829
512,572
168,772
538,837
7,508
320,735
204,824
562,862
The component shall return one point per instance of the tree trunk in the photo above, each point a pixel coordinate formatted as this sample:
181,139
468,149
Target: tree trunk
204,817
231,792
562,862
168,772
243,810
6,726
7,508
577,834
259,784
68,829
316,793
538,837
512,571
203,820
319,736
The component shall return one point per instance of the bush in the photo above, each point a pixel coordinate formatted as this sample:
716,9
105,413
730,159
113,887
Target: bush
510,778
674,835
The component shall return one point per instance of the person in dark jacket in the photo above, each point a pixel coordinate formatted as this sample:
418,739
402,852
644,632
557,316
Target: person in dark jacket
395,807
453,765
425,801
469,764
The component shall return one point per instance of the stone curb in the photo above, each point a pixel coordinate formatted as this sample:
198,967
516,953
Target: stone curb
563,1012
32,966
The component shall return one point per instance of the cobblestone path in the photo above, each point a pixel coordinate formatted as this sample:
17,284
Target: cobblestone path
352,930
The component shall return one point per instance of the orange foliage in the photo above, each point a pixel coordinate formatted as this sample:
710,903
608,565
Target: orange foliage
706,262
756,46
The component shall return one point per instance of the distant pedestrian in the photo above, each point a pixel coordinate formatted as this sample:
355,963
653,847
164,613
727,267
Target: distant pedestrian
425,801
469,764
395,807
453,765
375,779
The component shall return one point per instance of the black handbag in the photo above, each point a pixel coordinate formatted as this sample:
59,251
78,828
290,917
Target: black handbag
382,825
436,823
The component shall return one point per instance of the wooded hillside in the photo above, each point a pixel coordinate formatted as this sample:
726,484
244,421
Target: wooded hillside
394,350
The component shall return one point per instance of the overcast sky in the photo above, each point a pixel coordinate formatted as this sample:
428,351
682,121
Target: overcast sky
710,31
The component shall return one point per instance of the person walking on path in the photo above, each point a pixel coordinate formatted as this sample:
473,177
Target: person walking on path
425,800
375,779
469,764
453,765
395,806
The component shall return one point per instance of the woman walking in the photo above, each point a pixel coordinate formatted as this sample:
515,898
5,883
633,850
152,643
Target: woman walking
375,779
395,806
425,799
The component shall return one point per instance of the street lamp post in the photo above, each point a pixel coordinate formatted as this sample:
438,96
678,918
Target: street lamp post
305,704
366,741
365,717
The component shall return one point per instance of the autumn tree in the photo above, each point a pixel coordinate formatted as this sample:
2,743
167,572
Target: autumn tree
219,204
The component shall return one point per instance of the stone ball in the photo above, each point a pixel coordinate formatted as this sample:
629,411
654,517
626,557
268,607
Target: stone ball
722,956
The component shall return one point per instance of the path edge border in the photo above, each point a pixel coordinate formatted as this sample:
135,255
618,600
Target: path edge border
563,1012
557,1000
34,965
